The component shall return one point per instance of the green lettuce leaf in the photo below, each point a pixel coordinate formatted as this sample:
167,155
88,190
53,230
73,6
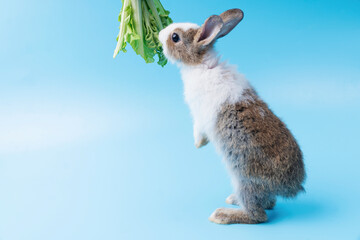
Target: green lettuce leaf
140,24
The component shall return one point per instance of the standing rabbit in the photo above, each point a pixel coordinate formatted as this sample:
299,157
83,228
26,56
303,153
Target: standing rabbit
261,155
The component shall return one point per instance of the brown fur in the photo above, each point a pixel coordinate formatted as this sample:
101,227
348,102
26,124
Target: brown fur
187,50
262,155
273,153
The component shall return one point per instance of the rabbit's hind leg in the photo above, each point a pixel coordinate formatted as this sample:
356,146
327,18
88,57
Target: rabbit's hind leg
253,199
269,202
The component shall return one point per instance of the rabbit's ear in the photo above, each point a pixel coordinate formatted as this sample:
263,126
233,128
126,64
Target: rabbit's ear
231,18
209,30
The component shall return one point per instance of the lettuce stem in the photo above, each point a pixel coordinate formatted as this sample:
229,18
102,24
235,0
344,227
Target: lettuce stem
138,25
122,28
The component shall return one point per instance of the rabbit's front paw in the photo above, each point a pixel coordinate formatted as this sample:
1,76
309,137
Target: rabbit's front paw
232,199
202,142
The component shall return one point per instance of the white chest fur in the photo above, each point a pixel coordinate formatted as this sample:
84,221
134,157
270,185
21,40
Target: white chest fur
206,88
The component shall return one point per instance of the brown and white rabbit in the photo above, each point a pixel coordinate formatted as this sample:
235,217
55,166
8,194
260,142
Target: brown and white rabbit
261,155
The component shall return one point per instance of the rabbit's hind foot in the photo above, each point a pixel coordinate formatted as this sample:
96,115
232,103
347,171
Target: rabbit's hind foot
231,216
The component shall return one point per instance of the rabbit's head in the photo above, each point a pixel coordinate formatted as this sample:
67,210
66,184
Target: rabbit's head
188,43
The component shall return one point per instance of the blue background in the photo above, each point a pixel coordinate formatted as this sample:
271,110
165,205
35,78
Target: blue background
97,148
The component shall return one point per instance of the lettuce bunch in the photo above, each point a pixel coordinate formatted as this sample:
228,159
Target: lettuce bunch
140,24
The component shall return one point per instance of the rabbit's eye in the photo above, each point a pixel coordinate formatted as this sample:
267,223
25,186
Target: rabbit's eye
175,37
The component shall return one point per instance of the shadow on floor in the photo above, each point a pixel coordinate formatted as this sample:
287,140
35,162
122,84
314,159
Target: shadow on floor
300,210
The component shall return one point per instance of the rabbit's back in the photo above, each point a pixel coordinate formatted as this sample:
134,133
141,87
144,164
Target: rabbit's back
258,146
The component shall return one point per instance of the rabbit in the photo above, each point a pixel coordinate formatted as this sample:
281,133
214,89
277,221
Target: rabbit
261,155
